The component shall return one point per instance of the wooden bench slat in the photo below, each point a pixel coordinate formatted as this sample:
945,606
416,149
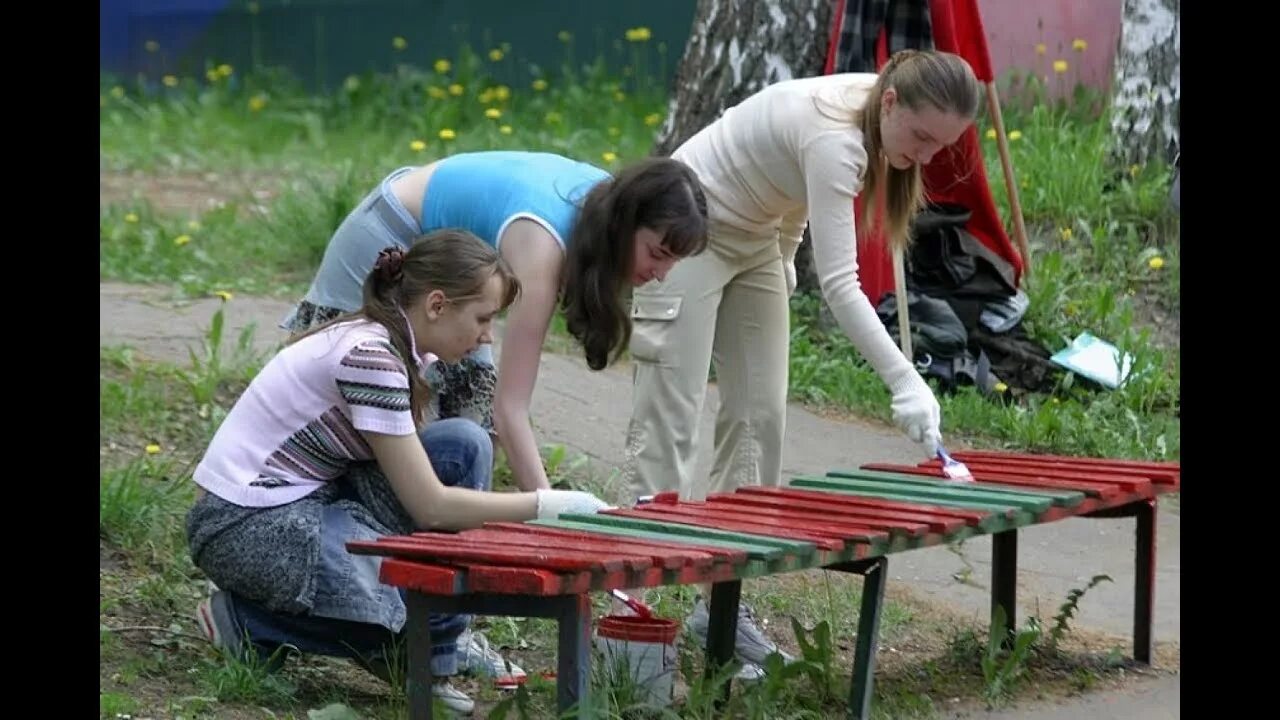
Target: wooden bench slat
926,511
1125,481
718,553
601,546
1101,490
705,517
821,514
937,487
779,545
449,551
1006,515
1049,489
959,494
888,520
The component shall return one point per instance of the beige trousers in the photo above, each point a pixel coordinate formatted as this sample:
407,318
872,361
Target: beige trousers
728,305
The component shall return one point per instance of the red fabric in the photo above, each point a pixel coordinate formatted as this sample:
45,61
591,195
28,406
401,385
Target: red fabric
957,174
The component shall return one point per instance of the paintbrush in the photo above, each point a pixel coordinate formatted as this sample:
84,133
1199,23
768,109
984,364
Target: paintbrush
952,468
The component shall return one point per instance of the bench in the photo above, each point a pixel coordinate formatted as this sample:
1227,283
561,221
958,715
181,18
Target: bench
846,520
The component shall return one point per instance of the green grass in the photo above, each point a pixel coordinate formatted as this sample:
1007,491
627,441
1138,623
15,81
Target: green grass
1104,244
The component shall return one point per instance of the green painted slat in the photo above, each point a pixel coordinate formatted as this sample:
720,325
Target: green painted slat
1061,498
940,491
799,548
994,523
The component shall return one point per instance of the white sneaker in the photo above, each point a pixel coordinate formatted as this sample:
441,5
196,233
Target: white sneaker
452,697
477,657
751,645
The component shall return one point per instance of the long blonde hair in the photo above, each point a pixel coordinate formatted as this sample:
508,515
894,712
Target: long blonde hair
942,80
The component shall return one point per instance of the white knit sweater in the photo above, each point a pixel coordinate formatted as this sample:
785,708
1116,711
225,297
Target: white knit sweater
780,159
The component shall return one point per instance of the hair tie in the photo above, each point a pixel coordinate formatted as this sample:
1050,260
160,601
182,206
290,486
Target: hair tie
389,262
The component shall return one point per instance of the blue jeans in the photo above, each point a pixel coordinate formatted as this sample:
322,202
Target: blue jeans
462,455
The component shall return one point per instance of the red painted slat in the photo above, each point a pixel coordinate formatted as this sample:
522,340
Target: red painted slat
430,579
972,517
824,541
910,523
729,555
662,558
526,581
437,548
1126,482
1164,465
780,519
1092,489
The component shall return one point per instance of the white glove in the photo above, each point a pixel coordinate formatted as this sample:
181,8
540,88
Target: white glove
916,411
789,271
554,503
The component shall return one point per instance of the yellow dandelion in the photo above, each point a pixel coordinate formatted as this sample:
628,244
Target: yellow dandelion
1015,134
117,92
991,133
1059,66
443,66
609,156
447,134
564,36
614,132
493,113
257,102
153,449
193,225
495,54
225,70
1155,263
619,96
502,93
505,130
417,146
552,118
456,89
485,97
211,74
152,46
170,80
1134,170
399,43
1041,49
1056,401
436,92
652,119
1065,233
131,217
1079,45
351,84
539,85
182,240
1000,387
224,294
639,34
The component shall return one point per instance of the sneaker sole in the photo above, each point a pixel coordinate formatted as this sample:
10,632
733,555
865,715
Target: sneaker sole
204,618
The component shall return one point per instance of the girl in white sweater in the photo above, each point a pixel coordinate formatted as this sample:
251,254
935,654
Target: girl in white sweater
796,152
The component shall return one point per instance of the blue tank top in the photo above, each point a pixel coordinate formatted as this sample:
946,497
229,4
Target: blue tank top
485,191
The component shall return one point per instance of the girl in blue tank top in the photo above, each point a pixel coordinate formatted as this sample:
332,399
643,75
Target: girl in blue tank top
577,238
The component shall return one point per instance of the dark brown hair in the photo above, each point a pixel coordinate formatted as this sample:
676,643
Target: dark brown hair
661,194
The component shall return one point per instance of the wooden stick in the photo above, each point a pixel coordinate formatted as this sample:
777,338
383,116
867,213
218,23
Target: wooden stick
900,292
1011,185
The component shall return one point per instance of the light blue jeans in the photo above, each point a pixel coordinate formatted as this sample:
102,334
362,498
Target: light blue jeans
348,585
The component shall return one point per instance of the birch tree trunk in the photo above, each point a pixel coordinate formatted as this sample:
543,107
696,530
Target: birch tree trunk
736,48
1146,91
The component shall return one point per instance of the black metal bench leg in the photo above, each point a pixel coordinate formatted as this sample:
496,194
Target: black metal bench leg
573,665
722,631
864,652
1144,589
1004,581
418,637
